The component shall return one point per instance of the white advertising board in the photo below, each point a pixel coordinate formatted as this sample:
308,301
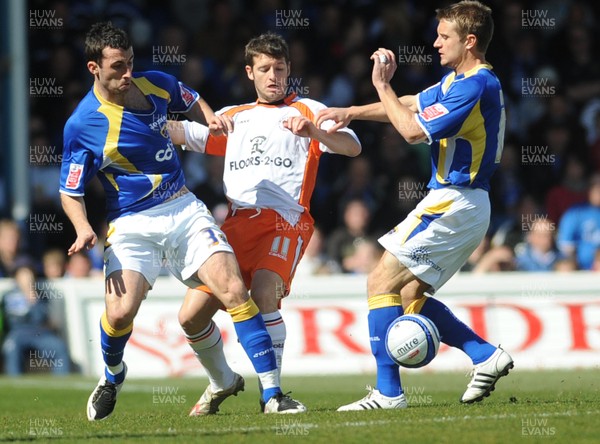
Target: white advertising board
544,321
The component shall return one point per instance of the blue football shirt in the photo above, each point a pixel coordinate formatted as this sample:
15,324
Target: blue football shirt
579,228
129,150
463,117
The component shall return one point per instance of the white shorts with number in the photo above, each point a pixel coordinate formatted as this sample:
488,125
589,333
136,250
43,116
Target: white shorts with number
440,234
180,234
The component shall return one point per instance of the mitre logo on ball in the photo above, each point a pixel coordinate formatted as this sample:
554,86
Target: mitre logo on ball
412,341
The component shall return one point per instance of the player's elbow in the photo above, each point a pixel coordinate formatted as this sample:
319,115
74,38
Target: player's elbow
414,136
354,150
413,139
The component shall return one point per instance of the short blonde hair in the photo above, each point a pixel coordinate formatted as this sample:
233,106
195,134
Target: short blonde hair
471,17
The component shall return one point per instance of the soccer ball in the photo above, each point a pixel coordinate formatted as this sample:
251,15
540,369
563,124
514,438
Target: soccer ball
412,341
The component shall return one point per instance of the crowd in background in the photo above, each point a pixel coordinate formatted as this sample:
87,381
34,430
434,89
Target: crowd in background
545,196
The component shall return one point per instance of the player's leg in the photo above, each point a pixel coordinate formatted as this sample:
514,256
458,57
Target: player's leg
383,285
451,225
125,291
204,256
204,337
490,362
267,291
221,274
132,263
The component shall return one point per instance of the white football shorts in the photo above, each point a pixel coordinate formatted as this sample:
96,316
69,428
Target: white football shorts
180,234
439,235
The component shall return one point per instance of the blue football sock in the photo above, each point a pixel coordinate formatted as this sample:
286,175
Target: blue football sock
252,334
455,333
383,309
113,343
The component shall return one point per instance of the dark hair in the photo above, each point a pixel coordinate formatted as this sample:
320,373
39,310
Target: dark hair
471,17
269,44
104,35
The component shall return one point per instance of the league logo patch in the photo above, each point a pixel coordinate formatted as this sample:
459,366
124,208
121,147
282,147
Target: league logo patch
74,177
186,95
433,112
420,256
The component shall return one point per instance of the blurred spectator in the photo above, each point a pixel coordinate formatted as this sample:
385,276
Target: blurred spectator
538,252
590,120
501,258
473,260
596,263
364,258
315,261
511,231
594,147
30,334
211,190
79,265
571,191
580,68
506,188
344,86
10,240
54,263
344,240
565,265
579,229
357,184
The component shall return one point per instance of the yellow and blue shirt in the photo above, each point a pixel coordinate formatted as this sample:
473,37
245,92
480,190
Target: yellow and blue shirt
463,117
129,150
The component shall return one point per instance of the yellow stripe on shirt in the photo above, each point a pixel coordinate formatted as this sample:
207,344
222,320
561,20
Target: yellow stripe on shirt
149,88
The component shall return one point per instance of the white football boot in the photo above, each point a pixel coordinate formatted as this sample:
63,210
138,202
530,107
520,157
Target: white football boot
375,400
209,402
485,376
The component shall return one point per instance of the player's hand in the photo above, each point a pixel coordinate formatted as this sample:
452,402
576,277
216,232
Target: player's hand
383,71
219,125
85,240
340,116
300,126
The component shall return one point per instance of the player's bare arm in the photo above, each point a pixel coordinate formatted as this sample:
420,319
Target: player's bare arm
218,125
400,115
74,208
338,142
200,112
176,132
374,112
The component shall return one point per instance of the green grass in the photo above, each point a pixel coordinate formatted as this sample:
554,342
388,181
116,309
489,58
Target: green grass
526,406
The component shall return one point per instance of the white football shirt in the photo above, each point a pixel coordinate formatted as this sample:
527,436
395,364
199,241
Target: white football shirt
266,165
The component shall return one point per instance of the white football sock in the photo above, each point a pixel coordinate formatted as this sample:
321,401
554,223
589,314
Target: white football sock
115,369
276,328
208,348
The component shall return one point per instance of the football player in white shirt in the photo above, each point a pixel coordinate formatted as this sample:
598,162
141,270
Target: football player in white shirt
272,149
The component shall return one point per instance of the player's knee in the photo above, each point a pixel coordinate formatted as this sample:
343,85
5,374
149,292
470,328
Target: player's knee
185,318
235,294
120,318
192,322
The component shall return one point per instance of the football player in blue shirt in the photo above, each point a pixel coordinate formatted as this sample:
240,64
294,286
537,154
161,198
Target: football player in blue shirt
579,228
118,132
462,118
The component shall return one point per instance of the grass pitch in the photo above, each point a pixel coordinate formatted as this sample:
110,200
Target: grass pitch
526,407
